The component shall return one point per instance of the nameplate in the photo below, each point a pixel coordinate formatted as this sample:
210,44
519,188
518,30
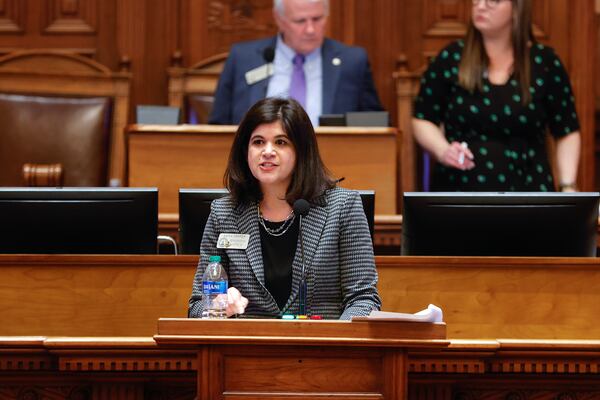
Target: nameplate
233,241
259,73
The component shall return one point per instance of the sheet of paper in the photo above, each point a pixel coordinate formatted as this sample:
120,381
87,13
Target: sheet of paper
431,314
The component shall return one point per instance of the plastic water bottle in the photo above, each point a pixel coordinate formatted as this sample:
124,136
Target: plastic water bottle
214,289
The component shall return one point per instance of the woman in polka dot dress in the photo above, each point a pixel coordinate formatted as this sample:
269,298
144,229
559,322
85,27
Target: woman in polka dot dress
485,103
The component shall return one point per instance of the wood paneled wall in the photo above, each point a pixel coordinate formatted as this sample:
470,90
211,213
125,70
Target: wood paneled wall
144,35
86,27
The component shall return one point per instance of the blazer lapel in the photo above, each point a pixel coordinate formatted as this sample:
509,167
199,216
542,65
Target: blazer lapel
331,64
248,223
312,229
258,90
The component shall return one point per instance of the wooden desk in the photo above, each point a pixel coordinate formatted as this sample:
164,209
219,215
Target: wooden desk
258,359
195,156
520,298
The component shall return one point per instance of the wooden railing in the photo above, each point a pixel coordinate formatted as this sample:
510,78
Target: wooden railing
516,327
482,297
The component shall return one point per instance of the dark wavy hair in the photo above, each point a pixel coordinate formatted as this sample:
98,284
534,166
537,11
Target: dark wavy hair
310,177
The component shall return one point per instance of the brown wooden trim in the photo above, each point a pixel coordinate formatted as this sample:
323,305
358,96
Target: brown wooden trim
117,367
583,72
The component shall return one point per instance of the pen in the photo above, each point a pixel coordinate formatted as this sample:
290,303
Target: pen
461,156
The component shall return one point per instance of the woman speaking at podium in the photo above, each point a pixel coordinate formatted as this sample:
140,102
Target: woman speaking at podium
292,242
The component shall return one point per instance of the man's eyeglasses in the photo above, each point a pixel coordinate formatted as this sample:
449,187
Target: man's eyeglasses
488,3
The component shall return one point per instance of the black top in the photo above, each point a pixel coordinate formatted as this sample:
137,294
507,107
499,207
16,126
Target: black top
506,137
278,255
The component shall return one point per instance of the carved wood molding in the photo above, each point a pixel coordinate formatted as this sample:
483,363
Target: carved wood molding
19,362
236,15
125,363
90,53
31,392
150,362
12,16
85,368
505,356
520,394
446,18
383,238
447,366
554,366
71,16
110,390
545,366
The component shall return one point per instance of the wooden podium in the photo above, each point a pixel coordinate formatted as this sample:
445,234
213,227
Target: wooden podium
277,359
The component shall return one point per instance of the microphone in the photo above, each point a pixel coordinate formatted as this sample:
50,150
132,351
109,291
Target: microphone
301,208
269,56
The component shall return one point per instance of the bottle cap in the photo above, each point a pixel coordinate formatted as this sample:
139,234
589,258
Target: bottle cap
214,259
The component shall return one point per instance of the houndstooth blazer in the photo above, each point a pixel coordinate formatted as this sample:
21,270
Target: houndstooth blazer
338,252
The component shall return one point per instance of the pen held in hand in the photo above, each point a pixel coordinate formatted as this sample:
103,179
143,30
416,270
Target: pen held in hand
461,155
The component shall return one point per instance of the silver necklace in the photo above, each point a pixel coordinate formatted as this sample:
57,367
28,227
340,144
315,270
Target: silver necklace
280,230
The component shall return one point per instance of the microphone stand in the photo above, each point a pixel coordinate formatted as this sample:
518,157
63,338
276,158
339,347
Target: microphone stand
301,208
303,288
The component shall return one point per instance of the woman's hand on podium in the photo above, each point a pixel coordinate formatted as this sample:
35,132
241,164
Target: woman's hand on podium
236,303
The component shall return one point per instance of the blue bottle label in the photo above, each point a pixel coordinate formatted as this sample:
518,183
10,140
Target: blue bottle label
212,287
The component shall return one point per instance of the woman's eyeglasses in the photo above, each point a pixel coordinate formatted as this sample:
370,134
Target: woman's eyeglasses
488,3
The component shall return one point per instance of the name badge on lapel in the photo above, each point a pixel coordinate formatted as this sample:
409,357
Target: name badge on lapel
233,241
259,73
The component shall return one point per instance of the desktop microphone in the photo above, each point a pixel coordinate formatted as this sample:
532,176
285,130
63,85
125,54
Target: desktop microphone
269,56
301,208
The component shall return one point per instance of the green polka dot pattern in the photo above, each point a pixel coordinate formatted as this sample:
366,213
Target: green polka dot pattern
505,134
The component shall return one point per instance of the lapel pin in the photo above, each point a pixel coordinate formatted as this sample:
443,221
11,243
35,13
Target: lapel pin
336,61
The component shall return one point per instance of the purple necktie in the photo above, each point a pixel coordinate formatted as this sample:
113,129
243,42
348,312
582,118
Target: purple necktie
298,84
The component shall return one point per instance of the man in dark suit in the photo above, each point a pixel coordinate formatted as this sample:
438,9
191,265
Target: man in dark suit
334,78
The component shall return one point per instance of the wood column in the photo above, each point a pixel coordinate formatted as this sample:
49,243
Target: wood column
583,76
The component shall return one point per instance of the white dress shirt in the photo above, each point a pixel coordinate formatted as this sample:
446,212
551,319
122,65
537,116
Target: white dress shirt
279,84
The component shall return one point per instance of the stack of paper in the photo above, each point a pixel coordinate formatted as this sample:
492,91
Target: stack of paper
431,314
